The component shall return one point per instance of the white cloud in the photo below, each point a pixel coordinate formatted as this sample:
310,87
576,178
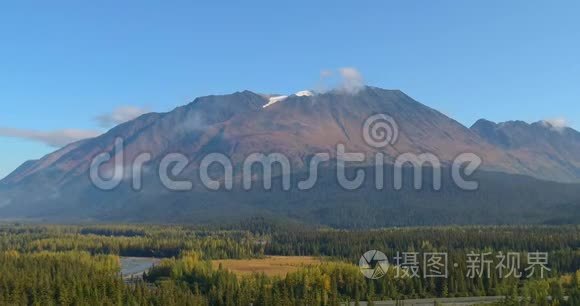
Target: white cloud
352,80
56,138
120,115
556,124
62,137
346,79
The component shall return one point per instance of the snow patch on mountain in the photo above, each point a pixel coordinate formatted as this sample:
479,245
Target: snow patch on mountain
274,99
304,93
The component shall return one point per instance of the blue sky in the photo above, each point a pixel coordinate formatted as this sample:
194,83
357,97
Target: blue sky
80,65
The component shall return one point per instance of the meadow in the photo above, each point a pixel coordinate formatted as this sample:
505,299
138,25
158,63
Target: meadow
270,265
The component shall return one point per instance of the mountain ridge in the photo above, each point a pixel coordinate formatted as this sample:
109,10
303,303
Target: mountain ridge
247,102
222,111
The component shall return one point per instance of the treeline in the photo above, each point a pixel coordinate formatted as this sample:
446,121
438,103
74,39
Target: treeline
79,265
257,238
77,278
137,241
561,243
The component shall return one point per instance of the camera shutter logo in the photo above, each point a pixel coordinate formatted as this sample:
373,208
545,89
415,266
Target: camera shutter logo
374,264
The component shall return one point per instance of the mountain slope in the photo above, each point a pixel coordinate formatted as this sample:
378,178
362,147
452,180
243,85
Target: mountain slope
299,126
553,152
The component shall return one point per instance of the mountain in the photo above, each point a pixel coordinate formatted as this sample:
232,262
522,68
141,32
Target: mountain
552,152
57,187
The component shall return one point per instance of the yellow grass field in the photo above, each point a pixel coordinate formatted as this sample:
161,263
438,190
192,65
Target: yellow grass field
271,265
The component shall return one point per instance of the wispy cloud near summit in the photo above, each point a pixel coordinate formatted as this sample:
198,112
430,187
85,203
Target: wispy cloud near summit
346,79
352,80
56,138
120,115
62,137
556,124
